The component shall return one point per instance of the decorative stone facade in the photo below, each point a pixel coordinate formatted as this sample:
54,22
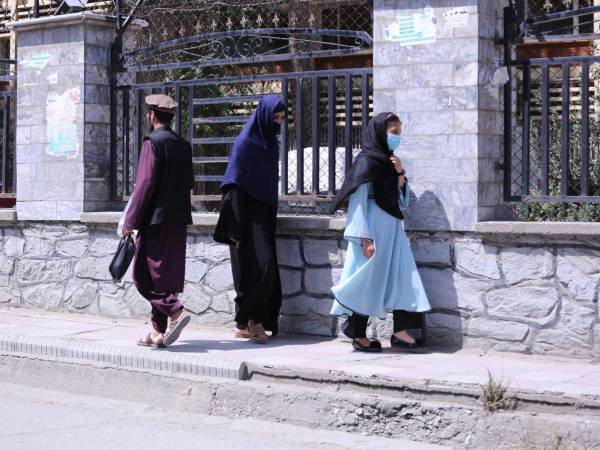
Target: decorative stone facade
525,294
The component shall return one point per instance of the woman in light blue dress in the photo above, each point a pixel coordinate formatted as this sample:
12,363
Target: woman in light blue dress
380,275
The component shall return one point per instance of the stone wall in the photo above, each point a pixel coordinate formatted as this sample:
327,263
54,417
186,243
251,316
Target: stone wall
498,291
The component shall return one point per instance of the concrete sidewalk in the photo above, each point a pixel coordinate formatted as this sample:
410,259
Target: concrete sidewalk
214,352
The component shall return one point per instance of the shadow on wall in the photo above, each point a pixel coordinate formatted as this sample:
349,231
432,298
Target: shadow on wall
433,254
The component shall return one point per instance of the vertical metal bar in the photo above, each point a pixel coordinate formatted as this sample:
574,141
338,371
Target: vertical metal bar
36,9
525,150
178,114
348,123
545,131
285,136
191,113
126,141
5,138
507,160
331,134
575,6
118,14
566,132
585,127
299,139
13,148
138,130
365,103
316,103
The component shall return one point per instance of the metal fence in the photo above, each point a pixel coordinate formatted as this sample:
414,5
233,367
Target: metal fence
219,58
7,133
552,113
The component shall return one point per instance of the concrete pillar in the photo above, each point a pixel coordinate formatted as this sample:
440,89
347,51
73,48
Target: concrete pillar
434,61
63,115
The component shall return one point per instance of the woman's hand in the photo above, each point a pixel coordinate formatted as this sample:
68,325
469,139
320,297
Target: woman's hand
368,247
127,231
397,164
235,242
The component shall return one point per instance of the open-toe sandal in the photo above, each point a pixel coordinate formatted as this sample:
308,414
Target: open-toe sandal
148,342
257,333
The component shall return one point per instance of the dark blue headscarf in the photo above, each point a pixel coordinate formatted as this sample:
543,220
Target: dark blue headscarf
253,164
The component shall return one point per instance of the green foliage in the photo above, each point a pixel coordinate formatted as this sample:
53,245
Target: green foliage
494,395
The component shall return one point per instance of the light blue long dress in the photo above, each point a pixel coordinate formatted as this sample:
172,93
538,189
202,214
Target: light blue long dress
387,281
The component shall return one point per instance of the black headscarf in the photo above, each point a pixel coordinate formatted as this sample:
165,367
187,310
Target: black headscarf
373,165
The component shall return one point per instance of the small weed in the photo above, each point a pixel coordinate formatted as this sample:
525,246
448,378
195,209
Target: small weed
494,395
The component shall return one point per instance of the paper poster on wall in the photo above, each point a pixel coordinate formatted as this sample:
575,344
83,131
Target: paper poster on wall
39,61
61,113
456,18
413,29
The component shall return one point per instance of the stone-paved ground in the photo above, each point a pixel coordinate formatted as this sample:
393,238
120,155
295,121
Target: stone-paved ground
527,295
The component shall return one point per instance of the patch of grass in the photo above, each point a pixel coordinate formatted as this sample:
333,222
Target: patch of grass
495,396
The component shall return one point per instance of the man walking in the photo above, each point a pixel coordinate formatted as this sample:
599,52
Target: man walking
161,211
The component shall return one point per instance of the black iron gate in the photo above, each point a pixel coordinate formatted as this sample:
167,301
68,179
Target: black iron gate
7,132
218,78
552,103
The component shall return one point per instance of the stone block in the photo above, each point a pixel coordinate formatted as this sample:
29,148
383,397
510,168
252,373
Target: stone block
475,258
96,74
420,123
384,100
36,210
224,302
194,299
480,327
321,252
320,281
35,247
113,306
561,343
95,113
97,94
416,99
75,248
533,302
99,35
456,98
526,263
36,271
466,122
304,304
70,55
96,133
431,75
578,318
139,306
14,243
441,320
451,291
219,278
94,268
578,269
195,271
431,251
291,281
80,295
209,251
98,55
7,265
104,244
44,296
288,253
308,324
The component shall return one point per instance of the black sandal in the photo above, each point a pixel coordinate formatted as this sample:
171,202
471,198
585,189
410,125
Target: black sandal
399,343
374,347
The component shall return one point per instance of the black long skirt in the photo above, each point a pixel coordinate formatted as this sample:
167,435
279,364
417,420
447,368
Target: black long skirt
254,264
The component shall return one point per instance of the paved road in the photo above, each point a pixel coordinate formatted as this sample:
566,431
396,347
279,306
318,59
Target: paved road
34,418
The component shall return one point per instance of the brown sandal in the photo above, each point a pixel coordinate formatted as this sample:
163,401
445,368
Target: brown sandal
148,342
238,333
257,333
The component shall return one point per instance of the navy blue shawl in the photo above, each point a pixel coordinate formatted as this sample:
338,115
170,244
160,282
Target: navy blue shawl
253,164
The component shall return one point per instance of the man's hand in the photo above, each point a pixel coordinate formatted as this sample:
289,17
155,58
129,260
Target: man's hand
368,247
235,242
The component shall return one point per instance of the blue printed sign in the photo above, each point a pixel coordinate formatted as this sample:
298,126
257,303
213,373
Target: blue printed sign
413,29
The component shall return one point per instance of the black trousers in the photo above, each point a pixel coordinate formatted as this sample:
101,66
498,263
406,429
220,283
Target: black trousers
403,320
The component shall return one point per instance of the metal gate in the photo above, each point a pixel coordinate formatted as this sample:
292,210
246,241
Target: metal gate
218,78
552,103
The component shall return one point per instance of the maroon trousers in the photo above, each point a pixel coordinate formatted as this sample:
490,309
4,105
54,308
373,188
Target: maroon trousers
159,270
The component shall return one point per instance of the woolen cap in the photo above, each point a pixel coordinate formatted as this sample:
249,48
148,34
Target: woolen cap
162,103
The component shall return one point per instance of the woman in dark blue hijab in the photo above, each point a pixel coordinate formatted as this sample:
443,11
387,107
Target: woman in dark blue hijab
247,221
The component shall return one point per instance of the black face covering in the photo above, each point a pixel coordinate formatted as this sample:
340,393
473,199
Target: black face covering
373,165
277,127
